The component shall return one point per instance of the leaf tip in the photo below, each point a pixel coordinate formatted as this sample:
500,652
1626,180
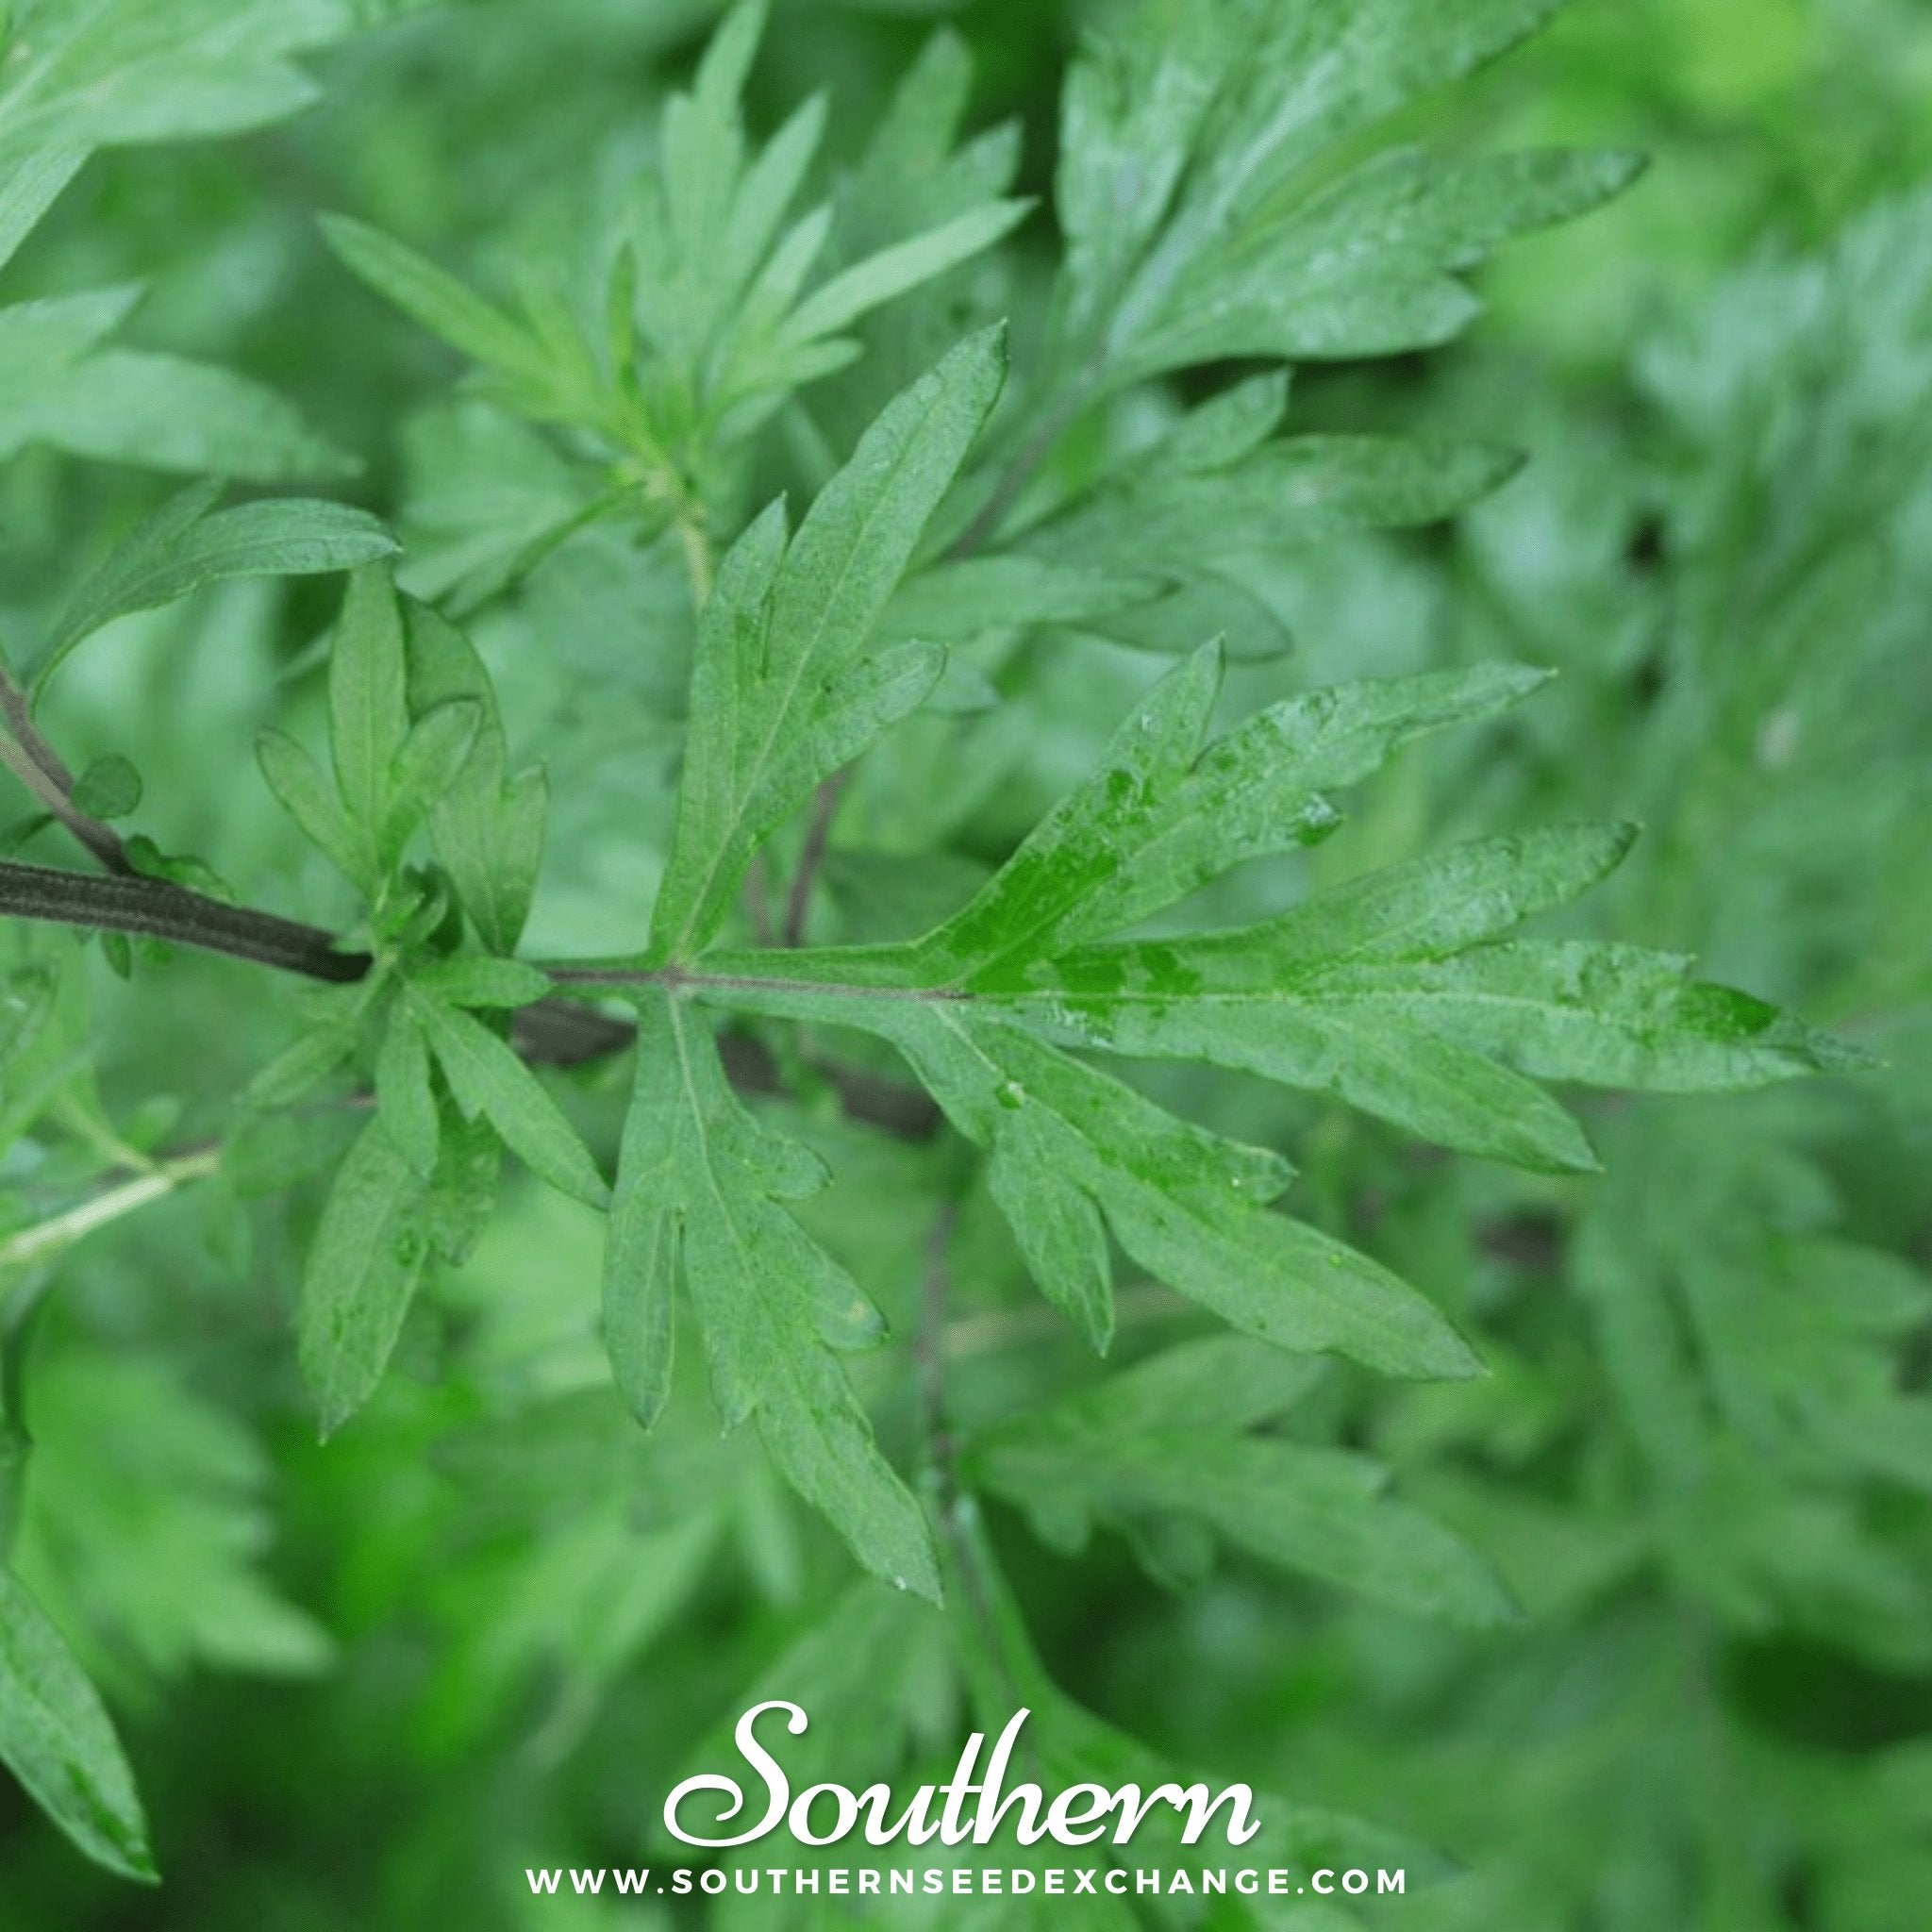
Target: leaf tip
133,1859
921,1578
1620,841
1623,167
1450,1358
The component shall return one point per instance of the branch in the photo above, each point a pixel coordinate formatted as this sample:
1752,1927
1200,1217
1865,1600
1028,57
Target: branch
40,768
157,908
553,1033
48,1238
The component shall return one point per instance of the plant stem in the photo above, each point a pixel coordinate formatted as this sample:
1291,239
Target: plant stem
931,1351
45,1239
20,1311
696,545
554,1032
559,1033
824,810
757,904
39,768
156,908
979,1335
689,980
1012,485
956,1508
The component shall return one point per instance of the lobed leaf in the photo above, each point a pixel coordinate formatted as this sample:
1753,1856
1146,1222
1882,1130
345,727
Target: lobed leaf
1168,1442
781,695
1166,813
1165,516
489,1079
364,1262
699,1193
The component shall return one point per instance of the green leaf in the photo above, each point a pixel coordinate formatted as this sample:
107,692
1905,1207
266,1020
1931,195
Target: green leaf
489,1079
781,695
1183,136
961,600
163,412
1279,1000
406,1104
1060,1229
369,714
29,189
364,1262
56,1738
438,301
304,789
488,824
182,547
699,1195
1166,813
1623,1016
42,340
473,982
1169,1440
435,750
882,277
1188,1206
1300,489
127,72
326,1045
1370,266
1229,427
109,789
1392,993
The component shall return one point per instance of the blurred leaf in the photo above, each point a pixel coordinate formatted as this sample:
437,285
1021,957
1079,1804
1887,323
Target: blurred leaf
109,789
129,72
59,1741
156,411
1166,1441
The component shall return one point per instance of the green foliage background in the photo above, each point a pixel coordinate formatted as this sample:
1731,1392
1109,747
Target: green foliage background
1641,1635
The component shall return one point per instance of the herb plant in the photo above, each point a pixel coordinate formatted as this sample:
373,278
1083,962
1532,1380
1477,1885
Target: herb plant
972,786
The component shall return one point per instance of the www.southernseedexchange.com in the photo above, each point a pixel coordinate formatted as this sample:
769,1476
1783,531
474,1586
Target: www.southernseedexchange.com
964,1881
